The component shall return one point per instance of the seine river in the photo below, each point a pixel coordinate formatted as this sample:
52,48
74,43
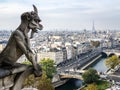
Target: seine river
74,84
100,65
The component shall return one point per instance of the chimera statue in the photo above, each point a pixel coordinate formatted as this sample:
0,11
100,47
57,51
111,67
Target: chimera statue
19,43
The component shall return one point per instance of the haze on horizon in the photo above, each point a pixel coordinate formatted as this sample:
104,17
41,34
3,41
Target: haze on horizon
63,14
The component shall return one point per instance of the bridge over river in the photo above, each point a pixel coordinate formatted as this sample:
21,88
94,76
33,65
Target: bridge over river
74,68
69,69
77,73
111,51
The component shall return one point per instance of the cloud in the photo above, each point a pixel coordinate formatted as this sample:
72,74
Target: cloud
64,13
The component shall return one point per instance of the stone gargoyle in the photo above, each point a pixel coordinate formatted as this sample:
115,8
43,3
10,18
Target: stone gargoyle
19,44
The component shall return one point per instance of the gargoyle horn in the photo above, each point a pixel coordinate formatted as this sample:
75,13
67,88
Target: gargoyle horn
35,9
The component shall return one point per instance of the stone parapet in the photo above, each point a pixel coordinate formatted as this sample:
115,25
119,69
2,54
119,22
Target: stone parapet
13,78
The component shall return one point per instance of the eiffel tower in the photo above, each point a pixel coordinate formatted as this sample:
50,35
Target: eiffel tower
93,28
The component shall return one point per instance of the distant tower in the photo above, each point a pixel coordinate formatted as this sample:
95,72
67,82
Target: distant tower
93,28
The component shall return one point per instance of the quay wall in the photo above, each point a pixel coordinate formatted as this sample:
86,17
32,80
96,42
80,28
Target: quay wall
91,62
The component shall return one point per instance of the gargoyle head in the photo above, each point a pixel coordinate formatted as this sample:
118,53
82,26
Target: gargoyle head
33,20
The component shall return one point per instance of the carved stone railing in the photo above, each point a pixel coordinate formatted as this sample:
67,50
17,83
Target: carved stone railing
13,78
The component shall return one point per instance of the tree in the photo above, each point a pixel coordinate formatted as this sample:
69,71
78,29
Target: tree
29,81
112,62
27,62
90,76
44,83
92,87
95,43
48,66
41,83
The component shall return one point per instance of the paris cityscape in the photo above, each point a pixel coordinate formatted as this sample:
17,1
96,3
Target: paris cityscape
74,52
60,45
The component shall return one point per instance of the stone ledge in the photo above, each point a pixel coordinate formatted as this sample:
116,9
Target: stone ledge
8,75
7,82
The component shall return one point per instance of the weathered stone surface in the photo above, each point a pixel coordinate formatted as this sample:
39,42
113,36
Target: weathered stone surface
21,77
9,71
29,89
15,79
8,81
1,84
13,74
19,68
19,43
4,72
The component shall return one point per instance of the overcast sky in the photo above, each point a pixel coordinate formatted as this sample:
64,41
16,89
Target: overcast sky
63,14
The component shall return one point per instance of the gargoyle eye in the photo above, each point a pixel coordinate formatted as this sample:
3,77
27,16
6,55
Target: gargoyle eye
39,20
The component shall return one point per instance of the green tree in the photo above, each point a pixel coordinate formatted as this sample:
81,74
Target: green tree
27,62
92,87
112,62
44,83
41,83
48,66
90,76
29,81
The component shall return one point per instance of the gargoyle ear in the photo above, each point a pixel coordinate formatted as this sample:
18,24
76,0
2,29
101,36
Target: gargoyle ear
35,9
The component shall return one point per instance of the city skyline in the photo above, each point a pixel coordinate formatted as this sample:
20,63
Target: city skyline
63,14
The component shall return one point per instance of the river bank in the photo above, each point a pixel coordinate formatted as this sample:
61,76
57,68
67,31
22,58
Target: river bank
71,85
